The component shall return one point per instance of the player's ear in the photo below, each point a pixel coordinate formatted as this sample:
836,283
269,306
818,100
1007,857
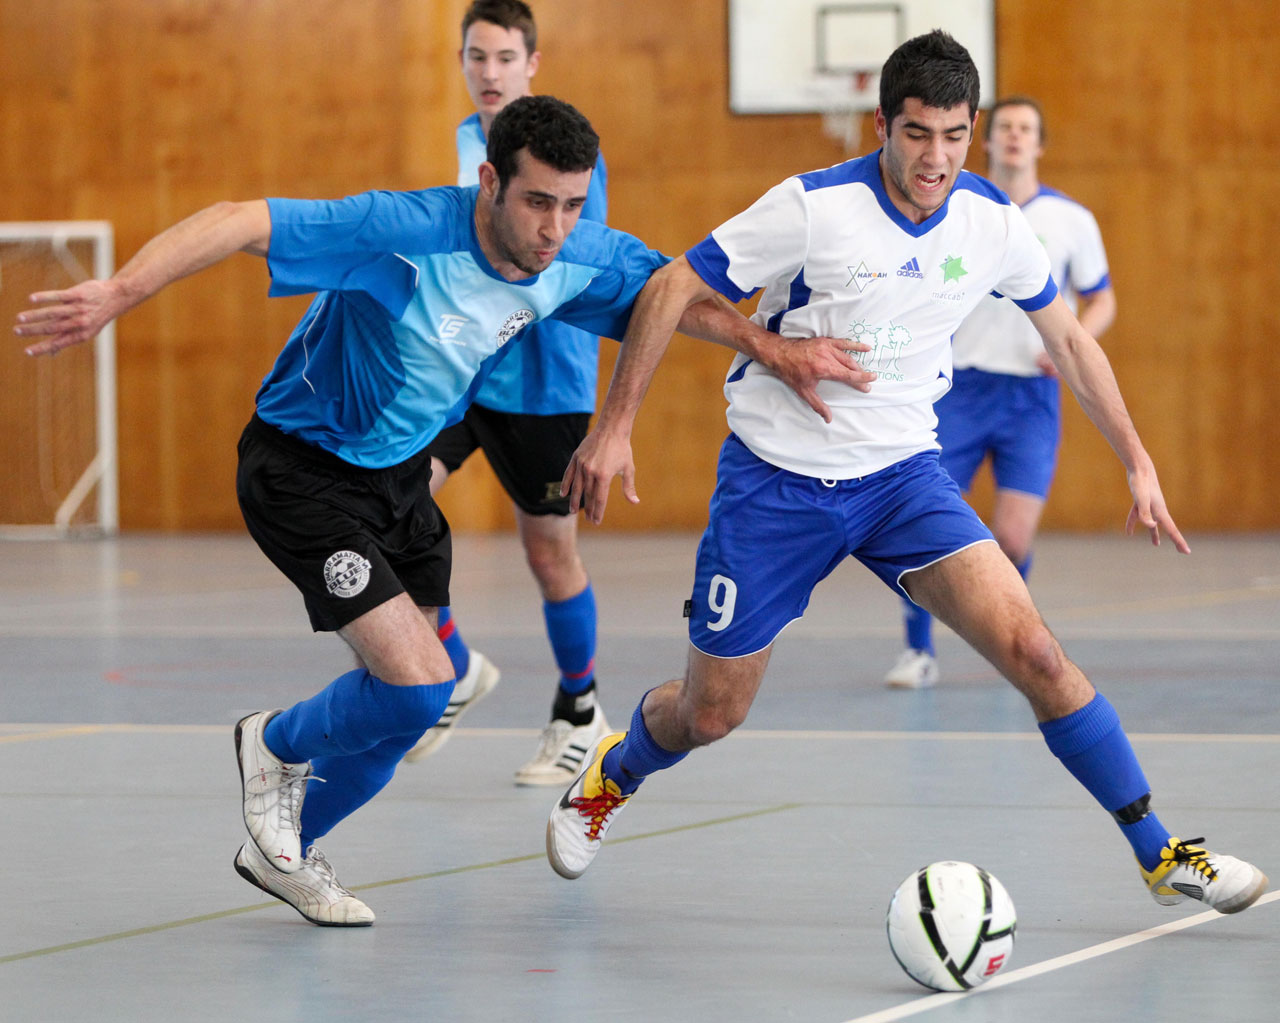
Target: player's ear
489,182
882,126
535,58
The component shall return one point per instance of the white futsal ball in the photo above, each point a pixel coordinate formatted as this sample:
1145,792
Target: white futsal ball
951,926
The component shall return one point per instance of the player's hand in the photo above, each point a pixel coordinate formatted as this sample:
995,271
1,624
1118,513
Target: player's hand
1047,366
600,457
1149,509
68,317
802,363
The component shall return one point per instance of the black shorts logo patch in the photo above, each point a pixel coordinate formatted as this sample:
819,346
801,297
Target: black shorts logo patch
346,574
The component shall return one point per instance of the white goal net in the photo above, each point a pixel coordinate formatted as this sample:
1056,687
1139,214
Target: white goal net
58,417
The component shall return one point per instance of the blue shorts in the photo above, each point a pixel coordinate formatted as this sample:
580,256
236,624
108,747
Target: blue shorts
774,535
1014,419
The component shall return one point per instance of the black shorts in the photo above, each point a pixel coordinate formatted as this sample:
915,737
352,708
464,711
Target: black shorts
528,454
348,538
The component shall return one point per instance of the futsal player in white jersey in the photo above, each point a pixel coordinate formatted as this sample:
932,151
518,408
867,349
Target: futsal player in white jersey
1004,399
796,494
527,418
417,294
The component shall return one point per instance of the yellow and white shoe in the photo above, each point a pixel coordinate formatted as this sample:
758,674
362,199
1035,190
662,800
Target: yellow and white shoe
582,816
1187,871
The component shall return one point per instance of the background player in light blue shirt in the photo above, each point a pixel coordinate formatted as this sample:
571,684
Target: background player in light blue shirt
527,418
795,497
1004,400
417,292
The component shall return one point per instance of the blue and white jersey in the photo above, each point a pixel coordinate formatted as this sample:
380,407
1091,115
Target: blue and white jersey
553,371
410,314
996,337
837,258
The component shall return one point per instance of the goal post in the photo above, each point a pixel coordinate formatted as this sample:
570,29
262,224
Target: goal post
59,415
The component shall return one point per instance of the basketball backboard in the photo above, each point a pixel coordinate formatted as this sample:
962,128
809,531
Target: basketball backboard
824,56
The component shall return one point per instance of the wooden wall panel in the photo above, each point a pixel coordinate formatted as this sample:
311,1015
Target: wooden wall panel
142,111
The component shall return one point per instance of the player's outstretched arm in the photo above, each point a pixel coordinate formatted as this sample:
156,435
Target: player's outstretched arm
606,451
75,315
1083,365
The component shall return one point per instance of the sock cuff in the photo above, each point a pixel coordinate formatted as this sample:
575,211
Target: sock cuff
1071,735
572,605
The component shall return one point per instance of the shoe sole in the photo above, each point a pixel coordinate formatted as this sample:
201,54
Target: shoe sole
247,874
421,751
1248,898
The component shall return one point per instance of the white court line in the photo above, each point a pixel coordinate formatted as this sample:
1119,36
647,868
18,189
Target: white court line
919,1005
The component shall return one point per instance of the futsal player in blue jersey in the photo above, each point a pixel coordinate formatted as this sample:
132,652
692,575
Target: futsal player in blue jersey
1004,397
528,417
417,293
865,482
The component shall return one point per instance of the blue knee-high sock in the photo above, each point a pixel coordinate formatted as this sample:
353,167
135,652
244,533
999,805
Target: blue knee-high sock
454,645
919,624
638,755
349,783
1093,746
355,712
571,627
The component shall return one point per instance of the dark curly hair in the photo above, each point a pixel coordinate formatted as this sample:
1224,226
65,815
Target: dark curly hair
553,132
933,68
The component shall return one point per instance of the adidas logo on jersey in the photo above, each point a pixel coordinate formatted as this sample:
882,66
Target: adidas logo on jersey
911,268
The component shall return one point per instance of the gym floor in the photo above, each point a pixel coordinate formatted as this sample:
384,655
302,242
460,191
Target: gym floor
748,884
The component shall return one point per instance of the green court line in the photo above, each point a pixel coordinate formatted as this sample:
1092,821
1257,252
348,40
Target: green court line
139,932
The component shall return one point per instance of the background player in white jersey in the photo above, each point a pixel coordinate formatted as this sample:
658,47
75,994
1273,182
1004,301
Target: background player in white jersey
796,495
417,292
1004,399
528,417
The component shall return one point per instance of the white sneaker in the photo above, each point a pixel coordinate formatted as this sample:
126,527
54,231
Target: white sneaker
1187,871
473,687
580,819
312,889
273,792
562,750
915,669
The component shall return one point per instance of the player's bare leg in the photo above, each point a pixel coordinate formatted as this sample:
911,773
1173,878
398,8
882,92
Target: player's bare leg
577,721
979,594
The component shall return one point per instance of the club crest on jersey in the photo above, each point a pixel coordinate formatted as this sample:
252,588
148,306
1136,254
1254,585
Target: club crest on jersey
346,573
862,278
514,323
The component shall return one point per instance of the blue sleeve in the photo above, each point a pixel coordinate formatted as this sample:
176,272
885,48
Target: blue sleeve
604,306
354,244
597,205
1047,294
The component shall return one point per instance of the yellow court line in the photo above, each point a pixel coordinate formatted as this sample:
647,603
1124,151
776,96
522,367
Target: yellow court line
139,932
32,732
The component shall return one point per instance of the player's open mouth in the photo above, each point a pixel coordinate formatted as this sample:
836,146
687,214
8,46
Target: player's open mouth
491,95
929,181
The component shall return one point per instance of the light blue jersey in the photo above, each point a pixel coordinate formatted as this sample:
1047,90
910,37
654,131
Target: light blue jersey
554,369
410,314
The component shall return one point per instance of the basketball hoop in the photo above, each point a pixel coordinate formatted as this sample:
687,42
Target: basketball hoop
842,122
